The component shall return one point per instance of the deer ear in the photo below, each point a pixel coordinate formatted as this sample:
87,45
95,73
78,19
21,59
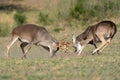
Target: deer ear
73,38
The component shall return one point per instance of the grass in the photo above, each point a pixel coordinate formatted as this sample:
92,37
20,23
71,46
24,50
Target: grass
39,66
77,68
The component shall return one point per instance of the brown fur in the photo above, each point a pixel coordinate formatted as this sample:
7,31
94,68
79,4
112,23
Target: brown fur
102,32
33,35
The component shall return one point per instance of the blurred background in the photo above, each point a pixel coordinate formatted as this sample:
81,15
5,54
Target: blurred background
56,15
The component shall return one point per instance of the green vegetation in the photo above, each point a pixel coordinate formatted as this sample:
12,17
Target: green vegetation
71,13
58,29
77,68
87,9
39,66
44,18
19,18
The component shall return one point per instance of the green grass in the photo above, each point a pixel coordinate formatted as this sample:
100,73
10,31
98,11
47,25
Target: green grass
39,66
77,68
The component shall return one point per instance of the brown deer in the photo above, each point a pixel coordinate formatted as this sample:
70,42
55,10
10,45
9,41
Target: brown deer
102,32
33,35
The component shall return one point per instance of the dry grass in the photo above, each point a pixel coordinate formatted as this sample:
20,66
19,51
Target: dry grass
6,19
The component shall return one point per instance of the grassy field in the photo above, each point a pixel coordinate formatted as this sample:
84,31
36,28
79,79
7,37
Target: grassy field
71,68
39,66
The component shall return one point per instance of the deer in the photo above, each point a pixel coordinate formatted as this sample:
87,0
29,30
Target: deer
31,34
102,32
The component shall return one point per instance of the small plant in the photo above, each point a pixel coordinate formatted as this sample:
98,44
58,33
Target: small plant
20,18
77,10
44,18
58,30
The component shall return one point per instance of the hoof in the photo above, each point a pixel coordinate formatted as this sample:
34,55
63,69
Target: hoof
96,52
93,53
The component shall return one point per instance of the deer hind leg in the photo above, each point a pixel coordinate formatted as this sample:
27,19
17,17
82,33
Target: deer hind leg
23,45
12,41
108,42
101,46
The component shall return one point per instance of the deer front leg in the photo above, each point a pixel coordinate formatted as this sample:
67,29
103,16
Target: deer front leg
29,47
79,48
23,45
52,53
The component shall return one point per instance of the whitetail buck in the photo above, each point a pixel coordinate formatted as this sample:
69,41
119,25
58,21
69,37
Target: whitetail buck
33,35
102,32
